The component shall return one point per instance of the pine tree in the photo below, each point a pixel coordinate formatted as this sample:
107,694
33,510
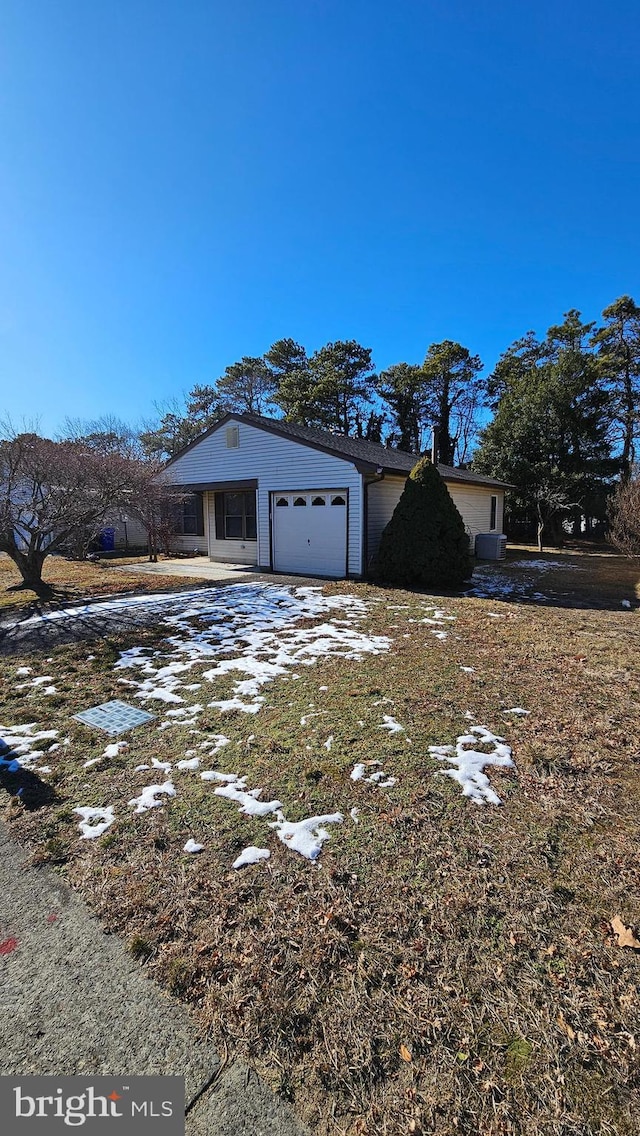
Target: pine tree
425,543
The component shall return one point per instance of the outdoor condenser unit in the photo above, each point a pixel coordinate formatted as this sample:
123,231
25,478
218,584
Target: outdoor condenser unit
491,546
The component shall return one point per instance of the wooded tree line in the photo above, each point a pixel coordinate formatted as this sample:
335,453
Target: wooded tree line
563,409
337,389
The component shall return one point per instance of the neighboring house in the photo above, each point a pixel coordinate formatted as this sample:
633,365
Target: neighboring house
279,496
129,532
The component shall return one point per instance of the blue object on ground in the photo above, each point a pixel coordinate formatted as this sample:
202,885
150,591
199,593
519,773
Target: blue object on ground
107,540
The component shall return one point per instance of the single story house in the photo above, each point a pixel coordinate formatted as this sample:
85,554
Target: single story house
288,498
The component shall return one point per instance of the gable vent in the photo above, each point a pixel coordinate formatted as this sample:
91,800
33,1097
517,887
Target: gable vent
233,437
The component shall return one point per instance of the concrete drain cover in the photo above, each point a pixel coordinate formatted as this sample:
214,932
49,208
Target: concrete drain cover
114,717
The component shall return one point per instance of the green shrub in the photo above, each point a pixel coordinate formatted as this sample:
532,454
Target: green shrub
425,543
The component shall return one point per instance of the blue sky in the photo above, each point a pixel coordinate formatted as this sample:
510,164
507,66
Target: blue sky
183,183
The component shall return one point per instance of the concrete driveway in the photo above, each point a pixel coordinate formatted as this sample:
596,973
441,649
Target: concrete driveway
200,567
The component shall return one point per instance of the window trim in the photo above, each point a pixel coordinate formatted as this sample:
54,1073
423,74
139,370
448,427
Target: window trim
195,516
220,509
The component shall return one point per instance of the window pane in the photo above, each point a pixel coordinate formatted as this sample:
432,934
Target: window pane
233,528
189,525
251,528
318,501
233,504
299,501
338,501
282,501
249,504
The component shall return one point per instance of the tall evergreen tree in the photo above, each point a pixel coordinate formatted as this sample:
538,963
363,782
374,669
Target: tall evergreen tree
454,393
342,385
618,344
402,387
550,436
247,387
293,386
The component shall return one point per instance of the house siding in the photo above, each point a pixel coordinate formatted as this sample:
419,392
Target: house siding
383,498
474,505
279,465
130,533
191,543
472,502
231,551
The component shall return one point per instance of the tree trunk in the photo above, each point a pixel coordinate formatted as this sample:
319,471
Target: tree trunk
540,532
446,444
29,565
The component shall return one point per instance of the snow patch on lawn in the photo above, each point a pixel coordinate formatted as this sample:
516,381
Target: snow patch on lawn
305,836
148,798
214,775
391,725
379,777
20,745
494,581
191,846
545,565
470,763
256,625
94,821
191,763
251,855
247,799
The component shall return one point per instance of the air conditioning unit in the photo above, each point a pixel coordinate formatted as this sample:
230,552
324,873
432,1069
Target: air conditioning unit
491,546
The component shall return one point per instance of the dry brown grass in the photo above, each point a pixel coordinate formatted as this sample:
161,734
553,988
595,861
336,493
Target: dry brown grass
446,968
78,578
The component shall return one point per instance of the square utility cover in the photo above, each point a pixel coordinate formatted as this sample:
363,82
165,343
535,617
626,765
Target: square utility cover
114,717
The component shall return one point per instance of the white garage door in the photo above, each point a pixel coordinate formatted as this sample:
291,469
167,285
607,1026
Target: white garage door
310,532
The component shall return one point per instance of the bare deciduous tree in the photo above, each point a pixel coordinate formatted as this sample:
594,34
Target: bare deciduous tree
57,495
624,513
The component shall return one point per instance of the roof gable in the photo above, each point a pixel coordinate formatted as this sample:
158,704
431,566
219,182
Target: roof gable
368,457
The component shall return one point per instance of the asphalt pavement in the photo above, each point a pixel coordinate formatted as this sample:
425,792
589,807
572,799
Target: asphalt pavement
72,1001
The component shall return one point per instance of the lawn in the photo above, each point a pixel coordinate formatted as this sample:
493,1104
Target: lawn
76,579
441,966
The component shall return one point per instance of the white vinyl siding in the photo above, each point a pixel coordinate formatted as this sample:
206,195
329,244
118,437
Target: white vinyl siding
231,551
278,464
383,498
473,502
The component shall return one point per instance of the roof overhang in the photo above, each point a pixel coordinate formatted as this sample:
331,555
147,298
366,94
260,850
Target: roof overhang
221,486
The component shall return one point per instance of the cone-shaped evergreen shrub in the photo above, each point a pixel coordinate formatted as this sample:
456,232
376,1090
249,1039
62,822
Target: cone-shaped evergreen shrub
425,543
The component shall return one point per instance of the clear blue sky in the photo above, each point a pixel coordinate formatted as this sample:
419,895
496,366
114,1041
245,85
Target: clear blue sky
182,183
